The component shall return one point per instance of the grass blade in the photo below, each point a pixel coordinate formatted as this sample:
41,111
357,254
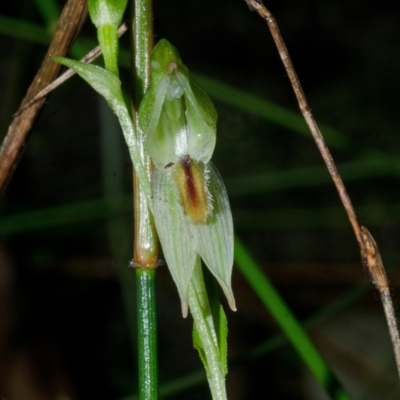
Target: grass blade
287,321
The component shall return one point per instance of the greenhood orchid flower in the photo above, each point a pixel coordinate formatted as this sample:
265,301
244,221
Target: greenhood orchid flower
190,203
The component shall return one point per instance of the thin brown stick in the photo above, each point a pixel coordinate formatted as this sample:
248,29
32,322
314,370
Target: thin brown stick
373,260
71,19
369,249
307,114
91,56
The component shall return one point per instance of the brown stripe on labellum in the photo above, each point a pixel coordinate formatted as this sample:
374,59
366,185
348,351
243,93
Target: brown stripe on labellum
193,194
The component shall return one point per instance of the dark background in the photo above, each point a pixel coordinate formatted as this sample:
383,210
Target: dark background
64,317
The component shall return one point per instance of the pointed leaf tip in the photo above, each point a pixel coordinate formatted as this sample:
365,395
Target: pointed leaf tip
102,81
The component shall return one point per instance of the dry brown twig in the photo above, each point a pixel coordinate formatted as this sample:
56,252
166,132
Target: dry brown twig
372,259
368,248
71,19
14,142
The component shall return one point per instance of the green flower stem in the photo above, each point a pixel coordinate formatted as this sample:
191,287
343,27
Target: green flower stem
145,253
201,312
142,31
147,333
146,243
108,39
107,15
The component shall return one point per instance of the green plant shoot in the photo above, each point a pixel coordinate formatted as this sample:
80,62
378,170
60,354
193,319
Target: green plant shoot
187,197
107,15
189,200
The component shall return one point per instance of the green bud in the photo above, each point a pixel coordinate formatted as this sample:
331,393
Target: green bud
176,116
107,15
106,12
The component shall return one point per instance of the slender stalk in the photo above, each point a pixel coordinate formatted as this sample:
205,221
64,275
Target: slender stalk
305,109
147,333
146,244
368,248
145,255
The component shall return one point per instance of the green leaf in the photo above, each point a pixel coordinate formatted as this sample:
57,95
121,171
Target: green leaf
219,325
218,318
25,30
102,81
198,345
221,328
50,12
222,339
287,321
205,334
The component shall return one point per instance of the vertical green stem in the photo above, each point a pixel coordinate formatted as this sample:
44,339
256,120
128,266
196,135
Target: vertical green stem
146,244
145,255
147,333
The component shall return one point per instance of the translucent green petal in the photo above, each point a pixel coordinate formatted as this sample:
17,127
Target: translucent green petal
163,123
215,237
201,119
177,117
151,106
176,237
